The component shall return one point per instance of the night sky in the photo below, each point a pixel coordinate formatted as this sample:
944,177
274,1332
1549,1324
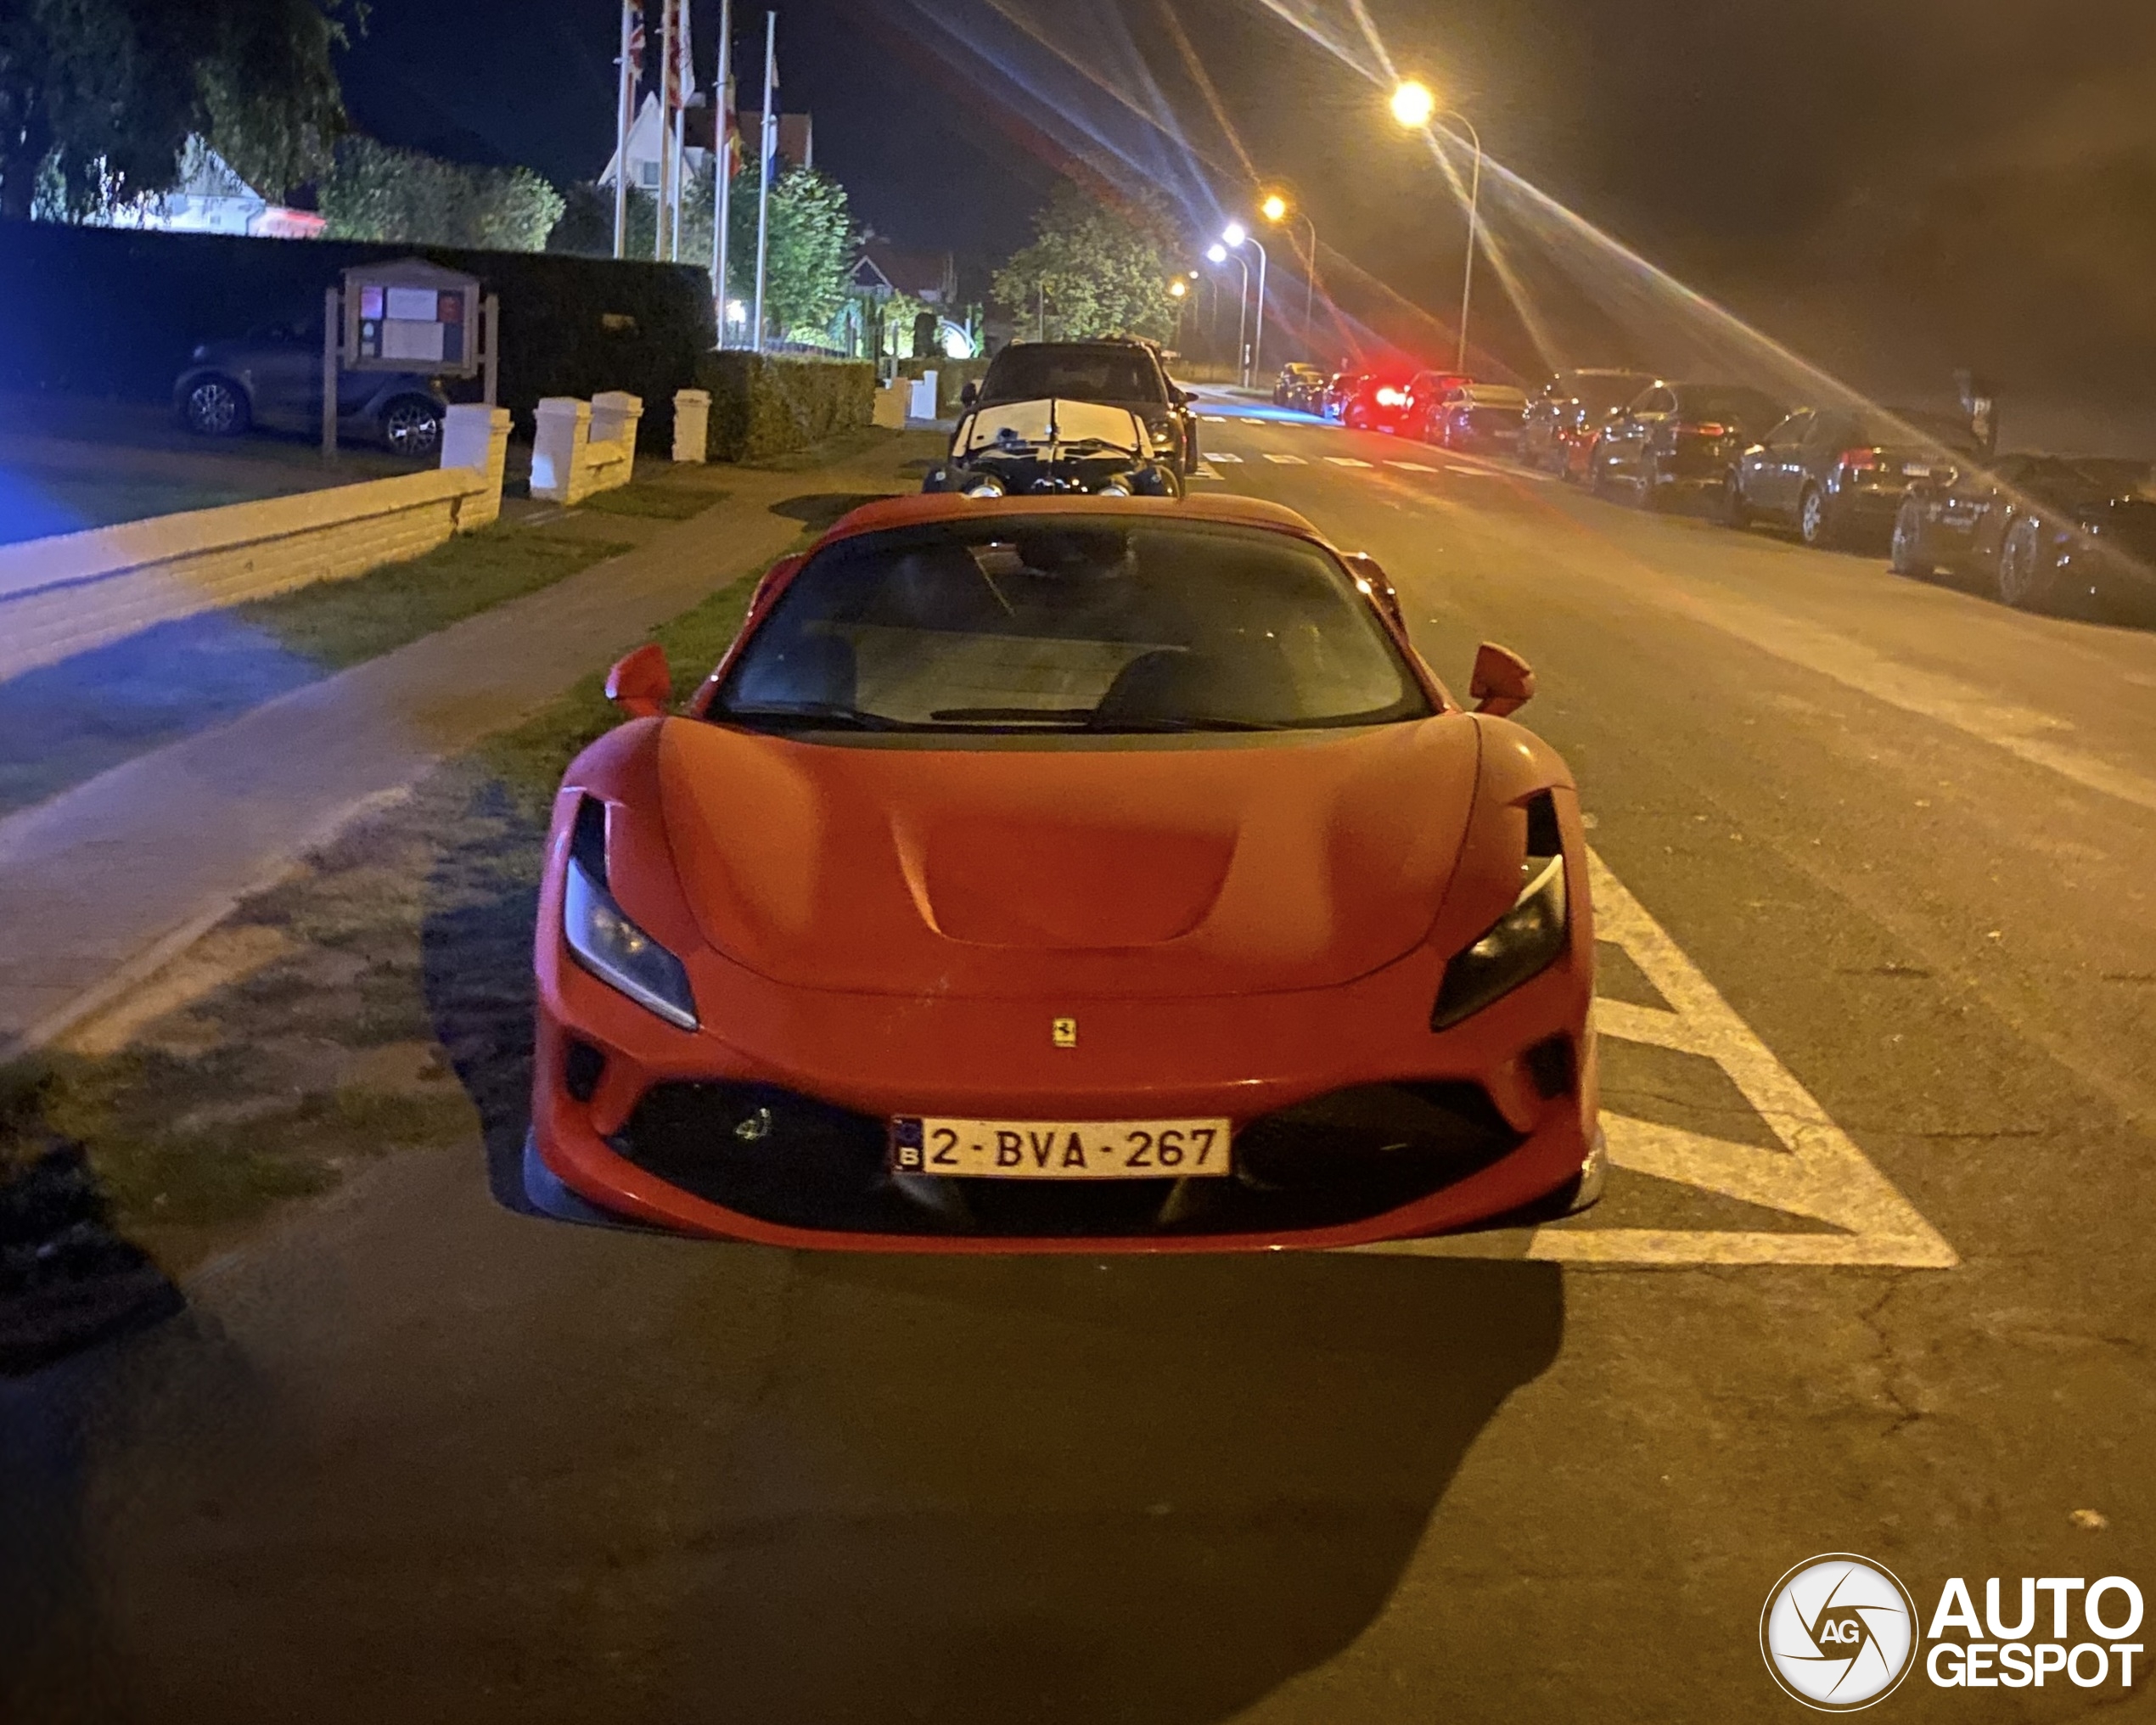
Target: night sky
1885,181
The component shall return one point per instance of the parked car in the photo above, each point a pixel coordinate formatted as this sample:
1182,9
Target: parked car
1394,401
1053,449
1299,386
1115,371
1569,410
1482,418
1679,439
2046,532
1339,388
1018,982
1836,475
270,379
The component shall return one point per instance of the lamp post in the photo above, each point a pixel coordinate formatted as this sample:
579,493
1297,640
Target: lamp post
1415,108
1237,235
1179,291
1218,253
1276,208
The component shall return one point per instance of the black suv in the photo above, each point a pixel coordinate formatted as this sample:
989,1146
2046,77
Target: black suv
1120,373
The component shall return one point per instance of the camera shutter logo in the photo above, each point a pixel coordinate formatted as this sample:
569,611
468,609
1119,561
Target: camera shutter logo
1839,1632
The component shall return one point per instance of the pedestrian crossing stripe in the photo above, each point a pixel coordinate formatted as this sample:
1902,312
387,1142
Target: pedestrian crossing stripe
1286,460
1412,466
1204,470
1346,461
1223,455
1818,1174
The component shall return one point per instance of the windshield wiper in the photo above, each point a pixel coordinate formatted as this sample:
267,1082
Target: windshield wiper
1169,724
821,714
1058,716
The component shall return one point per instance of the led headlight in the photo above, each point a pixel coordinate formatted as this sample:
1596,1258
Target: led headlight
1520,944
1119,486
613,949
986,485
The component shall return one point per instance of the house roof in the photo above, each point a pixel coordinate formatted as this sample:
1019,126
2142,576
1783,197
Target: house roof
920,275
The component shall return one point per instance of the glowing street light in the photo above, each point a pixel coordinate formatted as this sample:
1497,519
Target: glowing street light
1235,234
1217,253
1178,288
1413,105
1276,209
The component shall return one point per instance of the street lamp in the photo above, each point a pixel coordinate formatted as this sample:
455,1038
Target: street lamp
1276,209
1177,290
1413,105
1236,235
1218,253
1415,108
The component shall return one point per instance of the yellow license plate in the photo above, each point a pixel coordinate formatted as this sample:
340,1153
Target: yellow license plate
1060,1150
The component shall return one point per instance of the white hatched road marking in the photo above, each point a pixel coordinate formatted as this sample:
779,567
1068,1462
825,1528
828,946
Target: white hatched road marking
1286,460
1223,455
1819,1173
1346,461
1412,466
1205,468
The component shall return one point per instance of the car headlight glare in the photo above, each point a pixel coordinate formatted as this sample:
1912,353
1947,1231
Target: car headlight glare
1521,944
613,949
1113,488
983,487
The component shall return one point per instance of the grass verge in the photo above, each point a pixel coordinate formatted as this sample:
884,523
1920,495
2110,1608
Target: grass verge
377,1000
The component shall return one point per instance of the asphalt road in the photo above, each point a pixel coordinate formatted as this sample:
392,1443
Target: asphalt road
1871,1276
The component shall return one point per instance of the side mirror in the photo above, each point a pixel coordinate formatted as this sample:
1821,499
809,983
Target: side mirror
969,395
1370,579
1182,398
642,684
1501,683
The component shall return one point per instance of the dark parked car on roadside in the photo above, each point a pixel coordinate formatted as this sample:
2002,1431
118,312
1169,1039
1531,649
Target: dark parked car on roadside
271,378
1838,475
1339,388
1569,410
1677,439
2044,531
1299,386
1484,418
1115,373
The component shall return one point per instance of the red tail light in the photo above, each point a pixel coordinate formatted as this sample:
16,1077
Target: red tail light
1708,429
1860,460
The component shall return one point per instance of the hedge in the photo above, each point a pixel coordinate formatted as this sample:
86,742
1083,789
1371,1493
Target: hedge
116,312
766,404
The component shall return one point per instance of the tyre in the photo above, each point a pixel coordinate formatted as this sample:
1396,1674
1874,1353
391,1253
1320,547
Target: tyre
1356,418
216,407
1598,480
411,427
2026,572
1814,520
1650,493
1735,512
1906,553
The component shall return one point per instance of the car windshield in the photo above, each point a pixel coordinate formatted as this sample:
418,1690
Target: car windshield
1941,429
1030,371
1599,394
1033,624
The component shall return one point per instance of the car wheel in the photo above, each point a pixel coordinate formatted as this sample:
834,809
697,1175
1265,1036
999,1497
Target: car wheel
411,427
1356,418
2025,575
216,408
1905,551
1598,478
1815,524
1650,493
1735,511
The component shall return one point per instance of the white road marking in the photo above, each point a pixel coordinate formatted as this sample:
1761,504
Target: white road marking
1412,466
1286,460
1819,1174
1345,461
1204,470
1223,455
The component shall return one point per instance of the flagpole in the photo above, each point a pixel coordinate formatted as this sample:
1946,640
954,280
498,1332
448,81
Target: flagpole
765,144
722,163
684,88
665,121
621,119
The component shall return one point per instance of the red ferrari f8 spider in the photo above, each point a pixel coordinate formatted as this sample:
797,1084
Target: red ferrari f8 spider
1066,874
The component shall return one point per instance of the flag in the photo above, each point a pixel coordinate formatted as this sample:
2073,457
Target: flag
684,61
635,48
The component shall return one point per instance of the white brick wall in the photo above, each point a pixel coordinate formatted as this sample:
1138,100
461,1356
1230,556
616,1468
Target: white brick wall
76,591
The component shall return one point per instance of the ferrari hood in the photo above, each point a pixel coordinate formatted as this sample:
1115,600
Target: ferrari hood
1109,871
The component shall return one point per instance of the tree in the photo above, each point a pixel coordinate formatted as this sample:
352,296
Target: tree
808,254
1095,267
401,196
99,98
